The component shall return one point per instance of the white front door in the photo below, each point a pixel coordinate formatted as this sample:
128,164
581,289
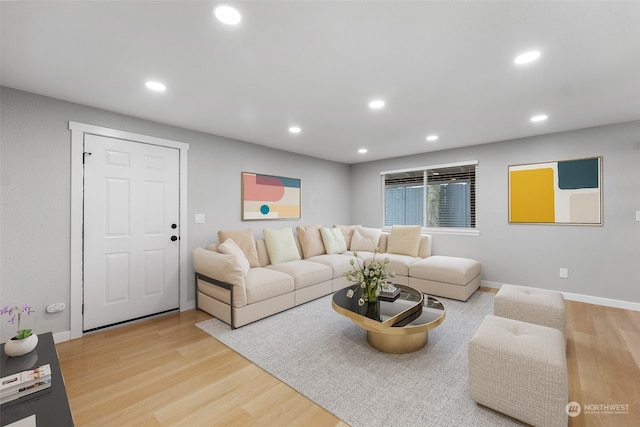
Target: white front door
131,230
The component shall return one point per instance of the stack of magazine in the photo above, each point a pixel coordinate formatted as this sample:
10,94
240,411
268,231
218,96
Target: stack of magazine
389,293
25,383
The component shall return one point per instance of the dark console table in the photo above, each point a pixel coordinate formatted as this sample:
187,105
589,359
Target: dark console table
50,406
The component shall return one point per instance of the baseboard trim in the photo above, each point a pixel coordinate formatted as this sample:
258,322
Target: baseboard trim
607,302
61,336
189,305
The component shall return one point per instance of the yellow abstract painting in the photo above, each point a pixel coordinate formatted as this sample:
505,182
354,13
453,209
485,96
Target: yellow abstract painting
532,195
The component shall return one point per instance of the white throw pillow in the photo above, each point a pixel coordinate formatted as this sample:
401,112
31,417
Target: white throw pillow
281,246
365,239
231,248
404,240
333,240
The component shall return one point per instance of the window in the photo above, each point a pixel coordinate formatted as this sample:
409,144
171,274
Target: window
442,196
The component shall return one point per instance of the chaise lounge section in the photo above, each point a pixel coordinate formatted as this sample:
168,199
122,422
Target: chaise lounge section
446,276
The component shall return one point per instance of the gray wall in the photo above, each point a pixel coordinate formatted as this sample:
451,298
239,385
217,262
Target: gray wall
602,261
35,199
35,203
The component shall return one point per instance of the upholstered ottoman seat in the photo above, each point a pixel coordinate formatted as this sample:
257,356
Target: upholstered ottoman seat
519,369
538,306
446,276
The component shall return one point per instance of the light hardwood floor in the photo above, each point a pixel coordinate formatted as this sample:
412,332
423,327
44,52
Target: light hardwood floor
167,372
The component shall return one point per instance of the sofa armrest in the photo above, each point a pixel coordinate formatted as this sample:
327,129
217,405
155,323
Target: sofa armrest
222,268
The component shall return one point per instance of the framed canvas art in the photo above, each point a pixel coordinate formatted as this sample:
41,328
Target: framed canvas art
269,197
557,192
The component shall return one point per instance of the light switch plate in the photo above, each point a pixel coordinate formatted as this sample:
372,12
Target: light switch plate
199,218
564,273
638,216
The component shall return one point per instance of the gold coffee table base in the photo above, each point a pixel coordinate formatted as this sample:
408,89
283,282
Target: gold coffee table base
397,327
397,343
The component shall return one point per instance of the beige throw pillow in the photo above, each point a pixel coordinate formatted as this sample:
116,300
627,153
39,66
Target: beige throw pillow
281,246
310,241
404,240
347,232
231,248
333,240
365,239
244,239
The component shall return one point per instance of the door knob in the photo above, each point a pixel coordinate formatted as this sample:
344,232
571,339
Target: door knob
174,238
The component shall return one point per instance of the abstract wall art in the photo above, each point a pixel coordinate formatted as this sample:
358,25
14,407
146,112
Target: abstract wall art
557,192
269,197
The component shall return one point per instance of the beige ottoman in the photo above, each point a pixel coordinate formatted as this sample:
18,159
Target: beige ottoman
519,369
445,276
531,305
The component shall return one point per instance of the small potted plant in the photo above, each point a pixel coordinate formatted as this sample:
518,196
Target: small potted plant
24,341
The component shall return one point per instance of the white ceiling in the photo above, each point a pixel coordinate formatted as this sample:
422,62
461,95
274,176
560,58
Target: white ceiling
442,67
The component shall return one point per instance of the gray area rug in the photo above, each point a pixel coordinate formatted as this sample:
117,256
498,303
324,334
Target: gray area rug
324,356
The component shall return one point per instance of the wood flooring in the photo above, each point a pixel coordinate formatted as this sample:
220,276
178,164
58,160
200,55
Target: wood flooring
168,372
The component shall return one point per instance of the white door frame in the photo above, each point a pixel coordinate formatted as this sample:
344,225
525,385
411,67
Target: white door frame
78,130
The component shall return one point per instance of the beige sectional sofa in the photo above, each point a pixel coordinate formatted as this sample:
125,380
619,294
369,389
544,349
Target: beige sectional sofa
243,279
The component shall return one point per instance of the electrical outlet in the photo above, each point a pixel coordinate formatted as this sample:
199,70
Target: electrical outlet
564,273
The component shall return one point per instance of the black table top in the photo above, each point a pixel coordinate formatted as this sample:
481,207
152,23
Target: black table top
404,309
50,406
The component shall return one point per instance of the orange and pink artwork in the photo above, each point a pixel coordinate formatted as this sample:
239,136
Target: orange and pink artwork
269,197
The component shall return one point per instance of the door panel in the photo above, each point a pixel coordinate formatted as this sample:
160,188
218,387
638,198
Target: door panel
131,199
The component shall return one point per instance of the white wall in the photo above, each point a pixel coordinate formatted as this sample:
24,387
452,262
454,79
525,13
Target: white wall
35,195
603,261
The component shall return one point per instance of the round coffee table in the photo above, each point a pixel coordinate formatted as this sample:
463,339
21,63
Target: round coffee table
399,326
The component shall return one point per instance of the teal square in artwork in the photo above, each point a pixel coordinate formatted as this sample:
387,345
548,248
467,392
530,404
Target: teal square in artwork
581,173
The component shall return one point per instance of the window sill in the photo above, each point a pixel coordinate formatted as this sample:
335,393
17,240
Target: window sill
445,231
452,231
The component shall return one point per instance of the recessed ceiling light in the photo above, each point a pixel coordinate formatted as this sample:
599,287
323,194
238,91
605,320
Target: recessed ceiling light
294,129
376,104
539,118
227,15
527,57
362,150
432,137
157,86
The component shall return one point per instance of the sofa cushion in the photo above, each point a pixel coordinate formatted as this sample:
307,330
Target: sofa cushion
244,239
333,240
339,263
399,264
347,232
404,240
281,245
305,273
365,239
310,241
265,283
231,248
